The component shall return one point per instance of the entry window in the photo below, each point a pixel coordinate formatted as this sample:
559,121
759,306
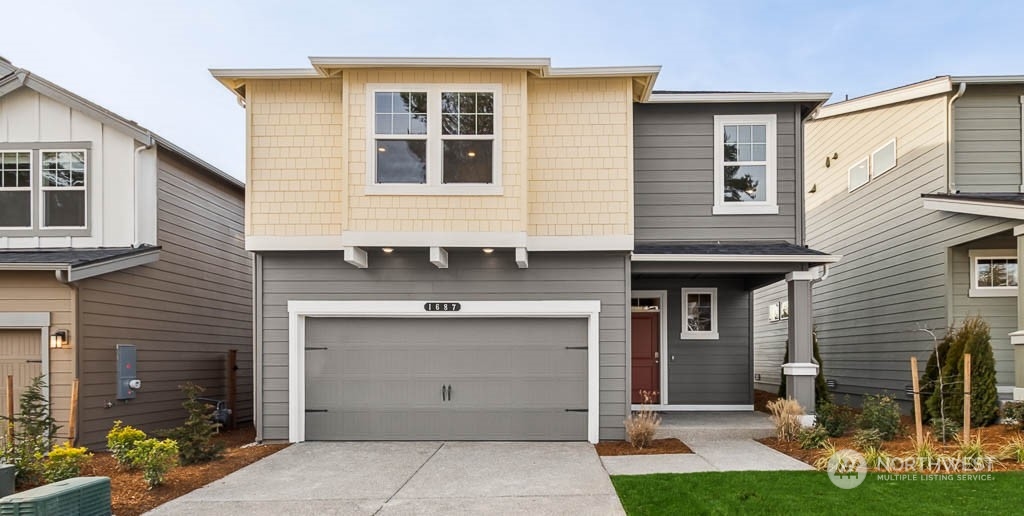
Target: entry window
700,313
994,274
15,189
63,189
435,139
745,165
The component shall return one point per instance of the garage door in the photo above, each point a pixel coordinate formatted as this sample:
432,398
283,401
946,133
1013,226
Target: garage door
446,379
19,356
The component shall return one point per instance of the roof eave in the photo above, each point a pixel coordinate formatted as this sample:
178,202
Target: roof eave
936,86
743,258
999,209
709,98
988,79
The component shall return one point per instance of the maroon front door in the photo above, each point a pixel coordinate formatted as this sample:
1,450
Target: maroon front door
646,368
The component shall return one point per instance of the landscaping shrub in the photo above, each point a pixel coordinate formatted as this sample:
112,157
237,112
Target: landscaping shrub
876,458
195,436
812,437
945,430
121,440
1013,449
821,394
1013,413
973,449
155,458
880,413
785,414
925,452
65,461
972,337
835,419
33,431
867,438
642,425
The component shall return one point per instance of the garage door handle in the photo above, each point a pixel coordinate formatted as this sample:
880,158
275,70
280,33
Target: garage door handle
449,392
444,393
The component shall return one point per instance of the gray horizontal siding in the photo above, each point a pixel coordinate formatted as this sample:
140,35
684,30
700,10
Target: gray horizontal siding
987,139
674,174
999,312
408,274
769,337
707,372
184,312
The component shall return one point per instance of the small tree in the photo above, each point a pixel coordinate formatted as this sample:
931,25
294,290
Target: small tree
34,429
931,380
971,338
821,394
195,437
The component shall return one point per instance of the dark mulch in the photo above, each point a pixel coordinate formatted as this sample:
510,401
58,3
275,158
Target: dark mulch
762,398
657,447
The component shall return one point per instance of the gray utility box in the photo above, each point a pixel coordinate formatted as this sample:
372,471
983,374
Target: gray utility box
83,496
6,479
126,373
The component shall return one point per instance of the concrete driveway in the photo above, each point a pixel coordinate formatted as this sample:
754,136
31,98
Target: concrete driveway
412,478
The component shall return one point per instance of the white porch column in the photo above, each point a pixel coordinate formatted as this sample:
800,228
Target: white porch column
1017,337
801,370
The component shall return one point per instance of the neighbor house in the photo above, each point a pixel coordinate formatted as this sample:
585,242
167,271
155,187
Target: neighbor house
494,249
920,189
121,258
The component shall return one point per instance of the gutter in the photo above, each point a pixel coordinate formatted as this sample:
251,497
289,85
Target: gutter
135,187
950,177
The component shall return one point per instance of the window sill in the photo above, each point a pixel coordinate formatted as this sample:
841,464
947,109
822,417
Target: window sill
699,336
993,292
399,189
45,232
756,209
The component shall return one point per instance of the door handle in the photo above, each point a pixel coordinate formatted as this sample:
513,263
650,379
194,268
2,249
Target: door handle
443,393
449,392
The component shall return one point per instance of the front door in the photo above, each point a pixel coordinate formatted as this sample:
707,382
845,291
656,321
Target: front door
646,359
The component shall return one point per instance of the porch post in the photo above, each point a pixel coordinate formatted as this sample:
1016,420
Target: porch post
1017,337
801,369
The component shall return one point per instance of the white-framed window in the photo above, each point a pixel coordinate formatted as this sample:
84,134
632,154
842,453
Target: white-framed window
994,273
62,189
745,165
778,311
773,312
858,175
434,139
15,189
883,159
700,314
783,310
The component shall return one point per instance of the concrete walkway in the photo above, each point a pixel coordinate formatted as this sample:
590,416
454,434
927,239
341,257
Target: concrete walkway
411,478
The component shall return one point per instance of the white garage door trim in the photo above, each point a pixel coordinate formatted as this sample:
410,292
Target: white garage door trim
298,311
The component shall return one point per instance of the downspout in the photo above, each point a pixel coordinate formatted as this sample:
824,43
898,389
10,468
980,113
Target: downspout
950,185
135,189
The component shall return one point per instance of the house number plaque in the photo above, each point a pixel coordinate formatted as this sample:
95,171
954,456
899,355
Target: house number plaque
442,307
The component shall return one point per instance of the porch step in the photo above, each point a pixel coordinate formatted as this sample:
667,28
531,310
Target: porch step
704,426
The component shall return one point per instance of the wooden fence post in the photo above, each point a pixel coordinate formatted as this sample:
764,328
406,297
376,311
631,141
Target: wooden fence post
73,414
10,409
967,396
917,400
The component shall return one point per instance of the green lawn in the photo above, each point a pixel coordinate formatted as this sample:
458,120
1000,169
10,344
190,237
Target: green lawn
811,492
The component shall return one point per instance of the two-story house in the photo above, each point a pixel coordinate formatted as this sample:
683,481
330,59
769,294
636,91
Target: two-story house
920,189
111,237
499,249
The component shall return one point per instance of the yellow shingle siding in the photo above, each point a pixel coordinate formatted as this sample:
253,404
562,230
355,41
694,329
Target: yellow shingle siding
438,213
580,157
566,158
294,182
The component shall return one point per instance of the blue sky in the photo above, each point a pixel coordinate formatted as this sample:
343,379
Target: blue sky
148,60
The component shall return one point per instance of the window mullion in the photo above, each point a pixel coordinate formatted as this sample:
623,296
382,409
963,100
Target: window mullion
434,146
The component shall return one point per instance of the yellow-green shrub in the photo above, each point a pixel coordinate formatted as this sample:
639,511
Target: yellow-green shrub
155,458
121,440
65,462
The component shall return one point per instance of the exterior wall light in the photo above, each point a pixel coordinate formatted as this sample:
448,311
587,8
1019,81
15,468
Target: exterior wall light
59,339
488,250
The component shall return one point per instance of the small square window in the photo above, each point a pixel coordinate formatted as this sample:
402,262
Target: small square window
773,312
783,310
858,175
700,314
883,159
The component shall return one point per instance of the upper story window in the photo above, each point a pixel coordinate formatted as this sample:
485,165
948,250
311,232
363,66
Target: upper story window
883,159
63,189
993,273
858,175
745,165
15,189
434,139
700,313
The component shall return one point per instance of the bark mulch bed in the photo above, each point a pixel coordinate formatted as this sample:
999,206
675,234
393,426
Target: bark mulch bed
128,490
657,447
993,437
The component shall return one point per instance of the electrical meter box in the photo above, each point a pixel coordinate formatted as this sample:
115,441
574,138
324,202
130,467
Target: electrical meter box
127,376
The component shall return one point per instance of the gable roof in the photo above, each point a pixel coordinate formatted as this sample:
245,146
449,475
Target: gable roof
13,78
326,66
943,84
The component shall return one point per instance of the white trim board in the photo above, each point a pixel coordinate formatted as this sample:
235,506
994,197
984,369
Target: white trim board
973,207
299,311
914,91
701,98
751,258
452,239
698,408
662,296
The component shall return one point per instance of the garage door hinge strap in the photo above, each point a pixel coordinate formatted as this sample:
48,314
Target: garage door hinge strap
316,349
575,347
316,410
34,361
576,410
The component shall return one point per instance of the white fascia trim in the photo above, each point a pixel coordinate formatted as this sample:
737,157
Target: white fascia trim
433,239
603,71
988,79
761,258
697,408
902,94
323,63
24,319
800,369
264,73
293,243
114,265
974,208
32,266
693,98
298,311
580,243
